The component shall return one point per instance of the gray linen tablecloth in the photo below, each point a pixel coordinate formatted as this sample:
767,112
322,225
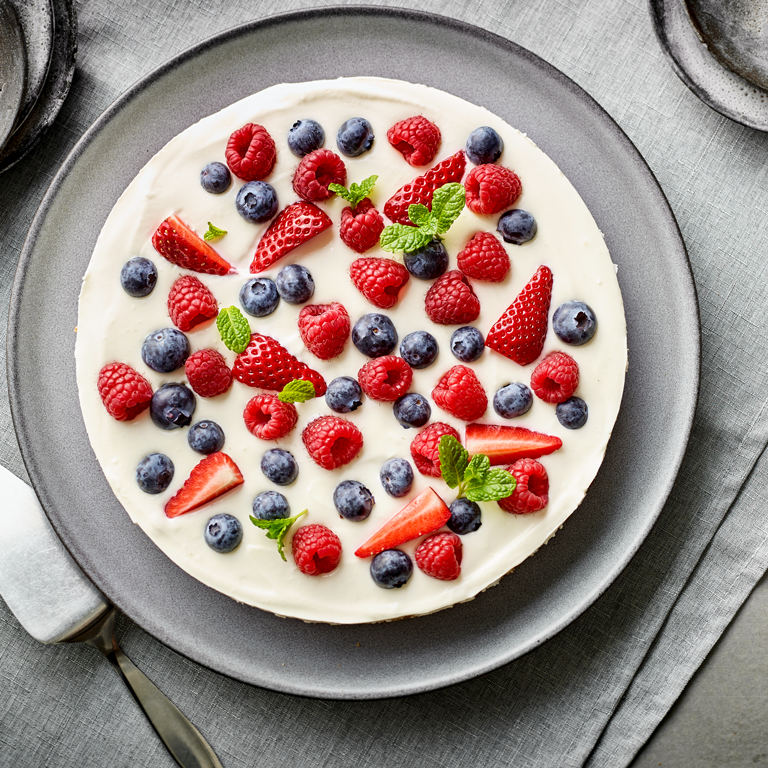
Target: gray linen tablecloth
593,694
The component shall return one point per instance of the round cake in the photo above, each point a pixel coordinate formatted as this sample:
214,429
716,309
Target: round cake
531,391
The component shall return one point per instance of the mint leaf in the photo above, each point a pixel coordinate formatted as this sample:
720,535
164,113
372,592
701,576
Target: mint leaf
297,391
498,484
447,204
453,460
419,214
234,329
214,232
398,237
276,529
356,192
477,469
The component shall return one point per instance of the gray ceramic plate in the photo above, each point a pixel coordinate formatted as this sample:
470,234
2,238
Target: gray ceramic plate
546,592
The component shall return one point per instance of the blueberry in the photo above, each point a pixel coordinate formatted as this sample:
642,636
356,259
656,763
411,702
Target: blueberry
138,277
223,533
256,201
305,136
391,569
467,344
172,406
396,477
271,505
353,500
572,414
259,297
574,323
215,178
465,516
517,226
295,284
165,350
279,466
428,262
412,410
419,349
512,400
355,137
206,437
344,395
154,473
374,335
484,145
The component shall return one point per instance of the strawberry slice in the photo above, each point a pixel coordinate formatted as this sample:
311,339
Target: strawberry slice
505,445
181,246
214,475
426,513
293,226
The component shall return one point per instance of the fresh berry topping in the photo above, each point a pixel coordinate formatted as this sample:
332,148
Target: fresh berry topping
396,477
315,172
467,344
460,393
271,505
344,395
305,136
256,201
484,258
205,437
439,556
491,188
374,335
555,378
223,533
355,137
391,569
465,516
360,227
512,400
531,493
426,513
416,138
332,442
574,323
379,280
424,448
520,332
190,303
353,501
451,300
421,189
138,277
259,297
295,284
124,392
419,349
324,329
504,445
154,473
412,410
572,413
208,373
279,466
385,378
484,145
165,350
215,178
181,246
172,406
251,153
268,418
293,226
316,549
428,262
213,476
517,226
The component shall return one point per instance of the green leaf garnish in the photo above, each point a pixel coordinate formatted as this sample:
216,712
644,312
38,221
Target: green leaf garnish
447,204
399,237
453,460
420,215
234,329
276,529
214,232
477,469
356,192
498,484
297,391
474,478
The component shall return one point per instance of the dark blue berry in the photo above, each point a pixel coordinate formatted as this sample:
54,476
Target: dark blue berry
484,145
412,410
223,533
419,349
355,137
517,226
154,473
138,277
256,201
465,516
513,400
279,466
271,505
467,344
353,500
295,284
396,477
574,323
172,406
165,350
428,262
344,395
259,297
374,335
305,136
391,569
572,414
206,437
215,178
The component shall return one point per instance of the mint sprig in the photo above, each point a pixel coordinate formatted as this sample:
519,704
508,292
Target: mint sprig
474,478
356,192
234,329
276,529
297,391
213,232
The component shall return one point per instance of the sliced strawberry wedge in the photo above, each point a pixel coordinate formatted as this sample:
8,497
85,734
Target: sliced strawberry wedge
214,475
505,445
181,246
426,513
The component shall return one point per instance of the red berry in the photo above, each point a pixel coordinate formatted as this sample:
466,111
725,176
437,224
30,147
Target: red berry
555,378
208,373
332,442
484,258
439,556
316,171
124,392
416,138
214,475
520,332
324,329
532,490
461,394
268,418
316,549
360,228
379,280
424,447
491,188
181,246
504,445
251,153
190,303
450,300
385,378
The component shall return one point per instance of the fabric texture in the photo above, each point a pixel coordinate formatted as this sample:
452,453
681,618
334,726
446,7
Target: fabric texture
593,694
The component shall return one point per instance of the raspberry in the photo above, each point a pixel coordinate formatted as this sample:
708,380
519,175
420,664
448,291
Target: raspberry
460,393
324,329
316,549
379,280
208,373
124,392
360,227
268,418
424,447
484,258
555,378
251,153
416,138
532,490
385,378
491,188
190,303
315,172
332,442
439,556
451,300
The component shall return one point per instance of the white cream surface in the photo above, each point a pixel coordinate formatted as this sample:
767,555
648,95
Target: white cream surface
112,326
